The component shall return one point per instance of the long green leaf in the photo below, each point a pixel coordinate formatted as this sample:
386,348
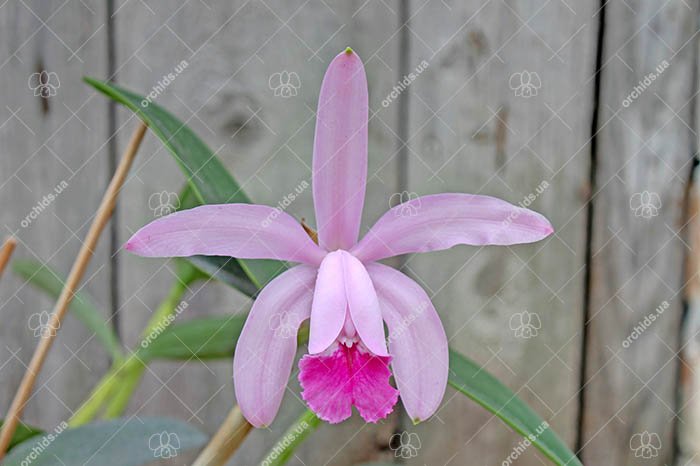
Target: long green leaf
210,180
22,433
473,381
202,338
227,270
47,280
122,442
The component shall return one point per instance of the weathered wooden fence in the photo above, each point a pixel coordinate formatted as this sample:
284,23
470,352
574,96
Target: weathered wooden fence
584,111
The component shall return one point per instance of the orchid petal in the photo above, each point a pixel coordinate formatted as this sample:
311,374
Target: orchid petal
440,221
329,304
340,152
364,305
245,231
417,341
266,348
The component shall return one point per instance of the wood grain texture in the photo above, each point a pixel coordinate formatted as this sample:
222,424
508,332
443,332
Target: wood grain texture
645,146
53,173
473,129
225,93
468,131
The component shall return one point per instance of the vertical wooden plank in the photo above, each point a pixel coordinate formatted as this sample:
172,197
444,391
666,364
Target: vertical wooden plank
234,53
504,108
643,165
53,172
688,427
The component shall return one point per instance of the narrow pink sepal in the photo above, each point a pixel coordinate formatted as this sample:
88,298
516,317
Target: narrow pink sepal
339,164
244,231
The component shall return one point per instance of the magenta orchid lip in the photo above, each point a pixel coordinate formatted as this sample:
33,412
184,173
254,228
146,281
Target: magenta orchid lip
339,285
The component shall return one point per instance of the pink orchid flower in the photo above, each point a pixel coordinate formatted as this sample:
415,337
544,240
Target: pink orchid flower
339,285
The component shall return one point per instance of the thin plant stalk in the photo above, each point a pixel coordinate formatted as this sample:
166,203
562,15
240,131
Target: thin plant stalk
8,248
226,441
104,213
102,392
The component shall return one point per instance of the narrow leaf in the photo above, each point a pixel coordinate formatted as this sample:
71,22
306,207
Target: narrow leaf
122,442
203,338
47,280
473,381
22,433
227,270
211,182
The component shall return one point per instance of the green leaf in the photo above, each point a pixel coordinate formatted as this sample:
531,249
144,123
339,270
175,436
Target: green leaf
47,280
202,338
210,181
473,381
121,442
22,433
227,270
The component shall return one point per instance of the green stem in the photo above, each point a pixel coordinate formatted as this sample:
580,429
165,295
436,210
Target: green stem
118,385
292,438
134,367
129,382
92,405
